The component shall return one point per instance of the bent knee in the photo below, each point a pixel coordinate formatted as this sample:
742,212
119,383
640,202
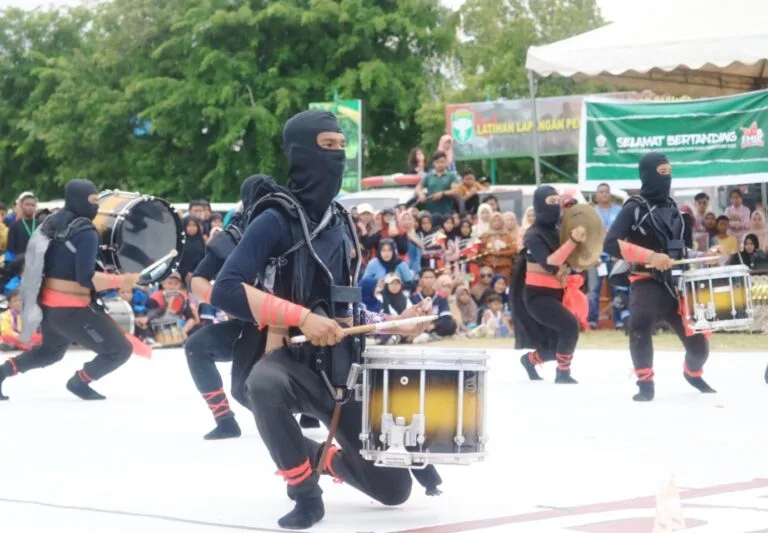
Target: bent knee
267,382
397,491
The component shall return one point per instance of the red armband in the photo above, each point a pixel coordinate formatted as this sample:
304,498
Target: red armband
271,309
559,256
207,295
634,253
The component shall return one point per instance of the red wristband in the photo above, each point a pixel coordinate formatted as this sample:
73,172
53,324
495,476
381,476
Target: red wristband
207,295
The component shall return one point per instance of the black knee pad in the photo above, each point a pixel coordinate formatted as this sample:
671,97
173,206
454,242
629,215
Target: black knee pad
194,345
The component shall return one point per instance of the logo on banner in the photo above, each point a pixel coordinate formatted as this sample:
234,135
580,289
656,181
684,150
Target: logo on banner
463,122
752,137
601,145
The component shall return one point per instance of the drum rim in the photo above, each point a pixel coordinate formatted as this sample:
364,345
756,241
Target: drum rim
120,218
707,273
381,352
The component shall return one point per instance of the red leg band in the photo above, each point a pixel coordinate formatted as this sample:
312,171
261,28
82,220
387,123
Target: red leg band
644,374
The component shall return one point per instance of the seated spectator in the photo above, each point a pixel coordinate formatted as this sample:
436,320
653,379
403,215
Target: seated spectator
385,262
483,223
217,224
751,256
367,231
468,190
394,301
445,326
137,299
482,284
493,202
467,309
407,243
426,287
710,226
432,242
494,321
171,305
499,247
498,286
10,326
727,244
758,229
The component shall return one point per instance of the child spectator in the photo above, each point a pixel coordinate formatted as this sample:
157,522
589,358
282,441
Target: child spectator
494,321
172,304
10,326
426,286
445,326
728,244
467,309
137,299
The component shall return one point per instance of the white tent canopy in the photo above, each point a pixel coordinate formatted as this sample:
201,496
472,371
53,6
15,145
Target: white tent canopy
691,47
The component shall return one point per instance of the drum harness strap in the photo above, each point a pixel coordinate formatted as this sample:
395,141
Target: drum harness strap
664,233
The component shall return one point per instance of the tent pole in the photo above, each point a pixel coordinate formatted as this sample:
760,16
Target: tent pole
763,196
536,159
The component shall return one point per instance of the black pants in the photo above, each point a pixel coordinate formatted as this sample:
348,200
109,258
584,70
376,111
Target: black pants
89,327
649,302
207,346
280,386
553,325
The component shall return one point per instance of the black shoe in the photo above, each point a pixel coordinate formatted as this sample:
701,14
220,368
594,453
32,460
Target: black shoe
307,422
306,513
564,376
647,391
699,384
530,368
82,390
429,479
766,374
226,428
2,397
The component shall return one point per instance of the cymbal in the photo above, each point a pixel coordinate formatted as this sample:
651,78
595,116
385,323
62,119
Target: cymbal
587,254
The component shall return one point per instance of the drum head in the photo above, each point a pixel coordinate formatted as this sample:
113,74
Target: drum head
148,232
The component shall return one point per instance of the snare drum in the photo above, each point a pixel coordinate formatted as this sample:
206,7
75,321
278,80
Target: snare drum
423,406
167,331
718,298
136,231
121,312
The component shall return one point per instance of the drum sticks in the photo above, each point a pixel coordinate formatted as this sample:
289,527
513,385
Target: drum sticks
149,272
370,328
709,259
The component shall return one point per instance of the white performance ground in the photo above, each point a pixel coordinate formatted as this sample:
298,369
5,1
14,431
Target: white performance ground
581,458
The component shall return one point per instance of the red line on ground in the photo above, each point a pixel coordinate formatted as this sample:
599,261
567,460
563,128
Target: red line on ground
603,507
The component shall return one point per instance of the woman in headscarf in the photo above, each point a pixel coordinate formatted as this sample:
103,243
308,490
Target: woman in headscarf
511,225
751,253
446,146
758,229
528,220
467,308
499,247
394,301
385,262
432,242
194,247
483,223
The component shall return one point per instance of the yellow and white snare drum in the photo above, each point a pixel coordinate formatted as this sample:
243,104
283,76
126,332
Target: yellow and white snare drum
424,406
718,298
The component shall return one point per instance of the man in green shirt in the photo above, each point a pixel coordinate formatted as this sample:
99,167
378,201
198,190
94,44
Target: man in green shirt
434,191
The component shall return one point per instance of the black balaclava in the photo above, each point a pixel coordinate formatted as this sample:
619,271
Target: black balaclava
655,187
76,204
76,196
546,215
249,188
314,174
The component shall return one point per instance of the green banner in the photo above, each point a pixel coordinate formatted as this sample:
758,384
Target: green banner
349,114
715,141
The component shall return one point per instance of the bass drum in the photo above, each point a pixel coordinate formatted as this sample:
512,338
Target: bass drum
136,230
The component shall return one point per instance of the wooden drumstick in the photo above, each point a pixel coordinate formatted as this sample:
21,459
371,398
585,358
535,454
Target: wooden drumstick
708,259
157,264
370,328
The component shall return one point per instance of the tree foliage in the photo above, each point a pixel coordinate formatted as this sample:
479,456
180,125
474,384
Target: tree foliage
215,79
185,98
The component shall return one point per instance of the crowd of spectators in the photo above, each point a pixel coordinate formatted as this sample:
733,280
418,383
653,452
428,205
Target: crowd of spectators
445,245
